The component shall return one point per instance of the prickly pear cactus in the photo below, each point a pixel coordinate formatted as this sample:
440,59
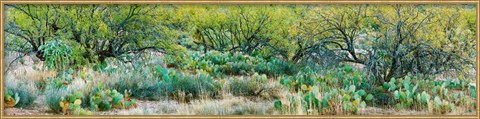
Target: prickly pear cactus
71,102
11,99
108,99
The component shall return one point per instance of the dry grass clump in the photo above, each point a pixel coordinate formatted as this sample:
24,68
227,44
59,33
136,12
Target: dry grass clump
31,73
254,86
159,107
228,106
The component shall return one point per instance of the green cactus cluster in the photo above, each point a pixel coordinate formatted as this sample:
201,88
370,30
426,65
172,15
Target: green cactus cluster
296,82
219,64
108,99
405,93
72,103
61,80
309,84
441,90
354,99
454,83
442,106
301,102
435,95
473,92
309,102
345,76
313,100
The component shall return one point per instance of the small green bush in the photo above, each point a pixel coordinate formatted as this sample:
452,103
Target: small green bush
154,84
142,82
251,86
25,91
26,97
197,85
54,97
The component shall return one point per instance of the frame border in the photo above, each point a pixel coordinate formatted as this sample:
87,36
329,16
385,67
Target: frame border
216,2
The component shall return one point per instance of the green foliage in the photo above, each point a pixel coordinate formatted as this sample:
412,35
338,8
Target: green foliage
153,84
54,97
405,95
108,99
220,28
72,102
19,95
311,101
57,55
297,81
61,80
196,85
143,83
352,99
25,97
251,86
275,67
434,95
218,64
442,106
101,66
107,30
11,100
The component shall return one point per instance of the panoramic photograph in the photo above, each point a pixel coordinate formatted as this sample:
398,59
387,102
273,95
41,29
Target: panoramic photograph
265,59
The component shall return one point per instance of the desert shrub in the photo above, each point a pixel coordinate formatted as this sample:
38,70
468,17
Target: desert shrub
56,88
237,68
141,82
154,84
26,97
275,67
24,90
251,86
196,85
54,97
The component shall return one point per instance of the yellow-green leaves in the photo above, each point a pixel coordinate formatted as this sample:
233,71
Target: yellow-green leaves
77,102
